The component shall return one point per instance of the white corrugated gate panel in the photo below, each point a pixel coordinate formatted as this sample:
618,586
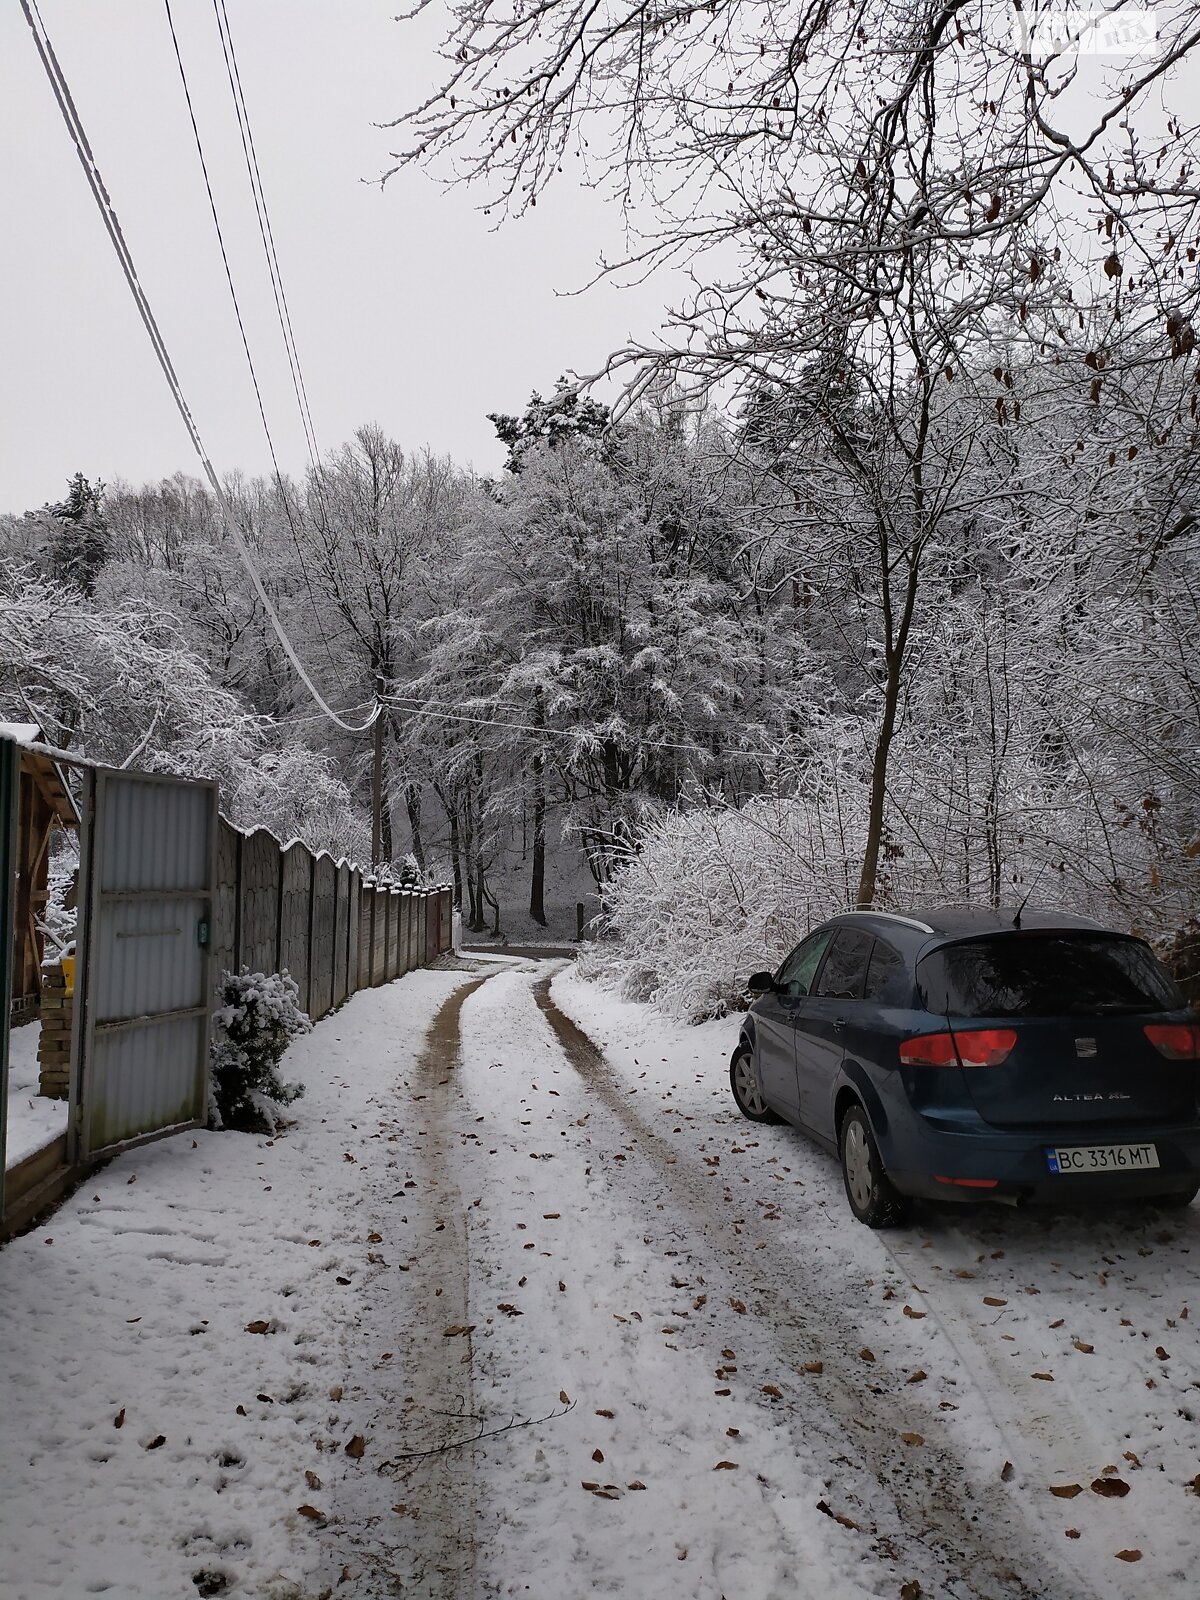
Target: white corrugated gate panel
147,984
145,1079
153,958
154,834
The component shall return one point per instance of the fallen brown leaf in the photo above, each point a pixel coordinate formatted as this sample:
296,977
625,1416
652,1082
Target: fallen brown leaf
866,1355
1046,1377
119,1419
597,1455
356,1447
1111,1488
918,1376
311,1513
1129,1555
158,1440
258,1326
311,1479
1066,1491
1084,1349
813,1366
994,1300
725,1466
913,1438
916,1315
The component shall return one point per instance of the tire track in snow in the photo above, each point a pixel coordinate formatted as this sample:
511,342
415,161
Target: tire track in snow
976,1546
438,1557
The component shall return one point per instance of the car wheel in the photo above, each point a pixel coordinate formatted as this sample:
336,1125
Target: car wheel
872,1197
1175,1202
747,1091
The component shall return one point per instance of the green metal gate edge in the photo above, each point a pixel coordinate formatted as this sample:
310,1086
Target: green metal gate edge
10,780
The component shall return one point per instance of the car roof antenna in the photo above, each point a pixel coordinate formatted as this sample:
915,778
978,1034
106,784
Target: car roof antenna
1016,921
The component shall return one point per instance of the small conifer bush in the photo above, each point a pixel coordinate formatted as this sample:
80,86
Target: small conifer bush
257,1019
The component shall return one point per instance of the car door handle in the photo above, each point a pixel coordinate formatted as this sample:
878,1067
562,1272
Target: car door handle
838,1024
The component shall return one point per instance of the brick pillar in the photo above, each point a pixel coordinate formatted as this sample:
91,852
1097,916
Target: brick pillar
54,1046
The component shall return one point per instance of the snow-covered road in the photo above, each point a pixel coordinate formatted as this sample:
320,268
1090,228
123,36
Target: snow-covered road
512,1206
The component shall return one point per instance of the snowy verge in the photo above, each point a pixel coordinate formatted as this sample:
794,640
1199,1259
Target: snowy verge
181,1333
33,1120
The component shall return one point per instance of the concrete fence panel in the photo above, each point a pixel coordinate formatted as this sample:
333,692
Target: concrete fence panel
341,941
392,961
323,946
379,935
225,900
354,930
258,915
294,915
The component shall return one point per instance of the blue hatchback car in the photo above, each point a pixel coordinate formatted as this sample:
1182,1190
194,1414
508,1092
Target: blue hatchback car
973,1054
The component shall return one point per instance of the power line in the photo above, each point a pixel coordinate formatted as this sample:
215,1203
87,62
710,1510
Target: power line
266,232
212,204
87,161
422,708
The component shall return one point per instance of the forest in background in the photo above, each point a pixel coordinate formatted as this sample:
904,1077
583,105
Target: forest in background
661,646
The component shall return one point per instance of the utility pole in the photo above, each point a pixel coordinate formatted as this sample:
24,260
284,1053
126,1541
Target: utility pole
377,788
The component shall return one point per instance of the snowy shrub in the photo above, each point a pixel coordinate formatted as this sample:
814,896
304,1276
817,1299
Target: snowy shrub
295,793
259,1017
712,895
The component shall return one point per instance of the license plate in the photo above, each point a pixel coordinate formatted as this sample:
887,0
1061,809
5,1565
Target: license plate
1101,1158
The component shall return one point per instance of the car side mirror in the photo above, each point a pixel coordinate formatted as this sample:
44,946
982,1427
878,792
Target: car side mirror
760,983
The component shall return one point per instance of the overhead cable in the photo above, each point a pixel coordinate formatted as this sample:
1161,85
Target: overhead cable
237,311
266,232
87,161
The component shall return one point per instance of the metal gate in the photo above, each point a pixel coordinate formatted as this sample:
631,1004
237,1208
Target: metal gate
144,996
10,770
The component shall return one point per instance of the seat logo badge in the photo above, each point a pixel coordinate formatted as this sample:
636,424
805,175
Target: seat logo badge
1085,1047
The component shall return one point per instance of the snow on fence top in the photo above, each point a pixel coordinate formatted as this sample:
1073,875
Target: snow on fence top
286,908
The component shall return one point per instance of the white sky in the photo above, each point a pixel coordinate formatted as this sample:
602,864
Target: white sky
407,310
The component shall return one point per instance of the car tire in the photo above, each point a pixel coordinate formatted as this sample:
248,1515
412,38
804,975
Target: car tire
873,1198
747,1093
1175,1202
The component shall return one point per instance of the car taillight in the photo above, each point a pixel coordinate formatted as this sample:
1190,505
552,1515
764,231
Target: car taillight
929,1050
974,1047
1178,1041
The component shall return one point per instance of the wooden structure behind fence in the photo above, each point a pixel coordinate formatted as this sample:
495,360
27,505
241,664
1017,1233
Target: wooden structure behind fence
332,928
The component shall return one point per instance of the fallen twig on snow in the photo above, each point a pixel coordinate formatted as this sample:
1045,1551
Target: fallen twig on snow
510,1426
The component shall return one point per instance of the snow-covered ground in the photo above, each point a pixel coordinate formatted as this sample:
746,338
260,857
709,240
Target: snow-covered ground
693,1373
33,1121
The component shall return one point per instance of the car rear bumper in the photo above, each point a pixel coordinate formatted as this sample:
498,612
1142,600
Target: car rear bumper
1013,1167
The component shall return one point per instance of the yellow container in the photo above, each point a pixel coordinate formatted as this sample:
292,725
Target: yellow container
68,967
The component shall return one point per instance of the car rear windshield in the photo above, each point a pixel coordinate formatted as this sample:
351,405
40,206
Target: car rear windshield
1044,975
